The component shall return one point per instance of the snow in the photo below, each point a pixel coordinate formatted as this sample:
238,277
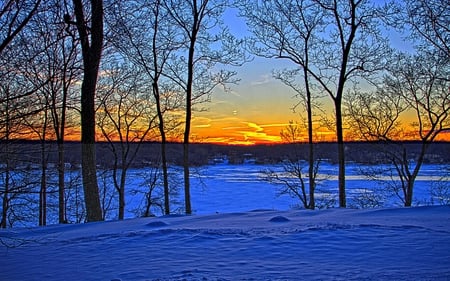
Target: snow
242,230
332,244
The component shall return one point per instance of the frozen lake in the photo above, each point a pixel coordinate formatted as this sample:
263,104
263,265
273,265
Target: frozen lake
240,188
223,188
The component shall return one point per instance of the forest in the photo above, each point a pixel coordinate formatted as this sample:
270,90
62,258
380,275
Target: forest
104,82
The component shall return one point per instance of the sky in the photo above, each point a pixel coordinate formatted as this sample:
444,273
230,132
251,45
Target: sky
253,111
257,109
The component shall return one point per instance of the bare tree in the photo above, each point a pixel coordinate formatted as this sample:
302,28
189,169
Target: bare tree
429,24
423,84
91,40
334,42
14,16
415,85
17,102
199,22
63,60
54,60
293,179
143,33
126,119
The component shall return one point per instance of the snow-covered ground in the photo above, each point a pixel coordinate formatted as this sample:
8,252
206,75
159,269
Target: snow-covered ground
241,230
333,244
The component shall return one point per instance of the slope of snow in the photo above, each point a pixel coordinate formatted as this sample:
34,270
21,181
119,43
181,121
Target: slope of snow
334,244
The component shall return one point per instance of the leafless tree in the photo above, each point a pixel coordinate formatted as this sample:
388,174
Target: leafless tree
62,57
333,42
429,23
142,32
292,178
52,62
126,119
193,70
90,31
414,85
17,105
14,16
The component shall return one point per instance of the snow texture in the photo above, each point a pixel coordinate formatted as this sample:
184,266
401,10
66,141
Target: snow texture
333,244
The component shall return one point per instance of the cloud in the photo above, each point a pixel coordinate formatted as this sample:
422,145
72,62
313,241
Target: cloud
203,126
264,79
275,125
255,126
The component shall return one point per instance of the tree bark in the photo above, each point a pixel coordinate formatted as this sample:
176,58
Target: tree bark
61,183
91,50
189,88
341,156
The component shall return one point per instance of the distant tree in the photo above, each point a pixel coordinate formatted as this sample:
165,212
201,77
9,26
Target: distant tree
38,125
333,42
293,180
75,210
90,31
152,201
440,190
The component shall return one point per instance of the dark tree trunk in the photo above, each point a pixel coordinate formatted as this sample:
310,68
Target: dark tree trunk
311,156
123,176
189,88
163,149
43,191
61,183
6,191
91,50
341,156
5,199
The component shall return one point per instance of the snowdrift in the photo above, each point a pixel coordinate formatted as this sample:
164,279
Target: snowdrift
334,244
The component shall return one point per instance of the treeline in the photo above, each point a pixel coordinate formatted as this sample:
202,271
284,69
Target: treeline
27,154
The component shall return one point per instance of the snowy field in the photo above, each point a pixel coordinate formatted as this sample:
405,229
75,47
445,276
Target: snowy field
334,244
241,230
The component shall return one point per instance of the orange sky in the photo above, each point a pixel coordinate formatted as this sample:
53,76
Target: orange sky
253,112
256,110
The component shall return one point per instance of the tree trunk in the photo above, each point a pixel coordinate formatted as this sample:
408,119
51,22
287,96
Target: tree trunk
165,175
189,89
5,199
88,158
187,192
409,193
413,176
311,156
6,147
61,183
43,191
163,144
123,176
91,50
90,186
341,157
